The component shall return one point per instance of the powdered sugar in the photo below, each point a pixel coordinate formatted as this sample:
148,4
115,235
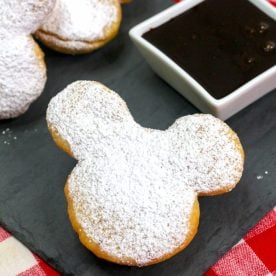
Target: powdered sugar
81,20
22,75
19,17
133,188
22,69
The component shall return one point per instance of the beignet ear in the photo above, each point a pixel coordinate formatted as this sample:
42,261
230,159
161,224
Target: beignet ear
23,17
22,75
91,113
212,151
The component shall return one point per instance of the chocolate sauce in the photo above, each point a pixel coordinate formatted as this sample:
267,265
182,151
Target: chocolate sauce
222,44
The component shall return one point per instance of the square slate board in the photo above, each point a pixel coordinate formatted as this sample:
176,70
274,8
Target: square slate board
34,170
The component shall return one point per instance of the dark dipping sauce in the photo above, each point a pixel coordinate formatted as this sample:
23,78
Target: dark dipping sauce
222,44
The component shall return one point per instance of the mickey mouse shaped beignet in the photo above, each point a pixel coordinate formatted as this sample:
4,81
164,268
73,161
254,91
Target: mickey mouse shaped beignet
132,197
22,67
81,26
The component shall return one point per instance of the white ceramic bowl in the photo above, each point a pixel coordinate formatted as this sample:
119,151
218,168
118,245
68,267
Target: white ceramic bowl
188,86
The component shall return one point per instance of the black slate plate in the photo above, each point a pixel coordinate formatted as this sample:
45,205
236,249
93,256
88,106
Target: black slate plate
34,170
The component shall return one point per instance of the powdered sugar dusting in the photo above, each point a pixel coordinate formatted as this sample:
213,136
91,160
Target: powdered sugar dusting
19,17
22,69
133,188
81,20
22,75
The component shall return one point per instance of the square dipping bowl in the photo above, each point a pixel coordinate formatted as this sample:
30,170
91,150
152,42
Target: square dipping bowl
184,83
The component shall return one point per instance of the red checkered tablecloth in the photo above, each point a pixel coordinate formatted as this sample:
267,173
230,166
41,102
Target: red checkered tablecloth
254,255
16,259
